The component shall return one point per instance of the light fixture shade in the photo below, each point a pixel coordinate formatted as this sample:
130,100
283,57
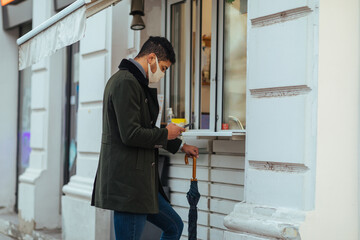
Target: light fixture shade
137,23
137,7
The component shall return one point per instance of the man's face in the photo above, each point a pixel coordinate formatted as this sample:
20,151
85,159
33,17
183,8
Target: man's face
164,65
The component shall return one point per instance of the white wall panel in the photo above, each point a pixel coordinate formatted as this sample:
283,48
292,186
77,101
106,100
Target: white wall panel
217,220
279,54
227,176
276,129
95,34
216,234
279,189
37,160
225,191
39,84
226,161
37,130
92,78
86,166
185,172
27,204
222,205
261,8
89,129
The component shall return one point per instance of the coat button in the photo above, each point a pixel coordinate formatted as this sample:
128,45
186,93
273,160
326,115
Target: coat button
151,122
146,100
153,164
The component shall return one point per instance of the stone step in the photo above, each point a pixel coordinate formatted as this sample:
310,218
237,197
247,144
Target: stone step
9,229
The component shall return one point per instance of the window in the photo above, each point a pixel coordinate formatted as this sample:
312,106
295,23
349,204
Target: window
207,84
24,111
71,111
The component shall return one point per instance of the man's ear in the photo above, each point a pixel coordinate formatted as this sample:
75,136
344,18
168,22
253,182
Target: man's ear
151,58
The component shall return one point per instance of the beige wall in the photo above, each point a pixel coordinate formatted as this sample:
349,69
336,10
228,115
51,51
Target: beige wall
152,20
336,204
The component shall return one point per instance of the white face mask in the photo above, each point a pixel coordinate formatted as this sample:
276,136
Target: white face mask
155,77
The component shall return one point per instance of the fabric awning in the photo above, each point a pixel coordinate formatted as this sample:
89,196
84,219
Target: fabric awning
61,30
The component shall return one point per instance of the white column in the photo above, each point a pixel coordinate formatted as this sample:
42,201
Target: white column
281,120
39,186
335,215
8,111
80,220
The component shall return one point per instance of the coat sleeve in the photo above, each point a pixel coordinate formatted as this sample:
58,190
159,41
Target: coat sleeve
126,102
173,145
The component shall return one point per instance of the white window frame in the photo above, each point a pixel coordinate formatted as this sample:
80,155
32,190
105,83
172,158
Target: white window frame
188,56
216,73
220,69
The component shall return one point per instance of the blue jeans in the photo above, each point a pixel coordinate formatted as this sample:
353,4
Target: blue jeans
129,226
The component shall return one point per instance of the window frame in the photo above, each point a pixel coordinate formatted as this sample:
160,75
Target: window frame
167,86
216,72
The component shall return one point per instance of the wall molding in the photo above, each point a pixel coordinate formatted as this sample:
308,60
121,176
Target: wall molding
281,17
278,166
280,91
278,223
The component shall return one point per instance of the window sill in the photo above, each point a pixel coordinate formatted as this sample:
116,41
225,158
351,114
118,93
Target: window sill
228,133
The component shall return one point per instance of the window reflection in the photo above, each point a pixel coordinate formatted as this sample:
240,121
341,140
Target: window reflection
24,120
234,80
205,60
201,54
177,71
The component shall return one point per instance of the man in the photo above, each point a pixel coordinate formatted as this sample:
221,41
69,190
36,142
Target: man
127,177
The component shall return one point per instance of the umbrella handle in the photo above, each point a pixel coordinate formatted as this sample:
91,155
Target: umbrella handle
194,167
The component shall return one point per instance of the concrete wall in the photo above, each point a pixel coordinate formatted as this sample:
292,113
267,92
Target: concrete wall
101,50
336,199
39,185
8,114
281,120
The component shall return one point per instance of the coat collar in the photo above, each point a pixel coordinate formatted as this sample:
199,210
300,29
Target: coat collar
151,93
134,70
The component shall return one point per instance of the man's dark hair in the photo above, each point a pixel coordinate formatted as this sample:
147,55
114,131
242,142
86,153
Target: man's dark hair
160,46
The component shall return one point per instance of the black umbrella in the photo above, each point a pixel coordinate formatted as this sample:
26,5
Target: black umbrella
193,197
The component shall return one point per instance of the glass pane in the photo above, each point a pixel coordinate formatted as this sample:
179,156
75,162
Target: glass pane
193,60
24,120
24,112
74,105
234,89
205,63
177,71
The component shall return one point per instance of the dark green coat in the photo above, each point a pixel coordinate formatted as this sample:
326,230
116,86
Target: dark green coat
127,175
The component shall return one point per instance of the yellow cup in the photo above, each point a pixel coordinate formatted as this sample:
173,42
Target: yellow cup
179,121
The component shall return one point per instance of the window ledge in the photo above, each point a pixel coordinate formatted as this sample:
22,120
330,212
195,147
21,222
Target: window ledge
193,133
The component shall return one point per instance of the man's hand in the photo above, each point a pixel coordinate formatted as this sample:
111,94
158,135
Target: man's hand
191,151
174,131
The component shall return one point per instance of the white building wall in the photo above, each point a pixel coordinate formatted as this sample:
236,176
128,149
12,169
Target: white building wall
8,114
335,215
39,186
101,51
281,120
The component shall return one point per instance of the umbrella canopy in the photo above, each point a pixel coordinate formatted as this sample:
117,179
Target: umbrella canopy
193,197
